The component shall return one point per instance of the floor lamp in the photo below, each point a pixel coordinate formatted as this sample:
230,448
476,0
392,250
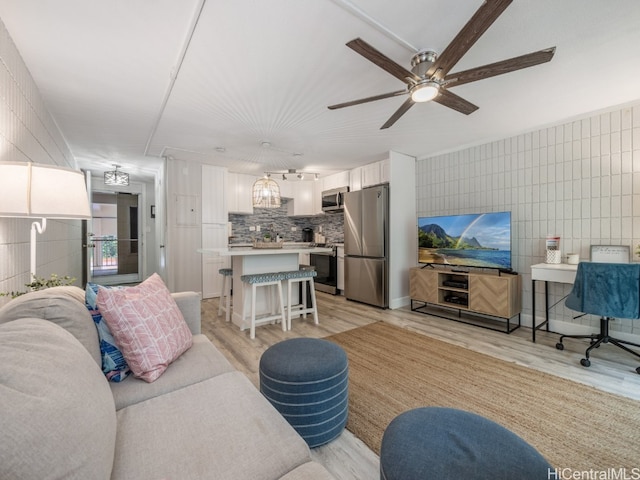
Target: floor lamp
34,190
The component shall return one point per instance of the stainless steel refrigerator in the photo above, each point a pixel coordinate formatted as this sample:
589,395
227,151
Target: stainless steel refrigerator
366,238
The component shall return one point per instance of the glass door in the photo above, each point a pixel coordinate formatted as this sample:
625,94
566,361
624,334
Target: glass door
115,238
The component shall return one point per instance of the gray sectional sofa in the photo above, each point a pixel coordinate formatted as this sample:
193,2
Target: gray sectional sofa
61,418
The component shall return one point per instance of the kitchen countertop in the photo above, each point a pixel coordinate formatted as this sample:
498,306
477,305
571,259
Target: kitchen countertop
234,250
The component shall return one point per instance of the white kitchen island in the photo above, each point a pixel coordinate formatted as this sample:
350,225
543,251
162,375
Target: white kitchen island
249,260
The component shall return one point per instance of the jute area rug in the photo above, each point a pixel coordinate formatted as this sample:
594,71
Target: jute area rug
572,425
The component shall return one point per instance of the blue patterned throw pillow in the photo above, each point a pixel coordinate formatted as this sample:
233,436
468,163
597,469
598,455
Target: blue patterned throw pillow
114,366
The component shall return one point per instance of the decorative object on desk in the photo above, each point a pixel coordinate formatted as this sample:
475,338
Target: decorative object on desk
39,191
554,256
116,178
266,193
553,253
573,258
610,253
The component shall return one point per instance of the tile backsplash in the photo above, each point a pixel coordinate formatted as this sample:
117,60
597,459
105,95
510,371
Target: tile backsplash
277,221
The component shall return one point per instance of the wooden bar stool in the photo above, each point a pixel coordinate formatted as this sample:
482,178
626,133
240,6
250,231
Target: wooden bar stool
227,275
304,277
251,282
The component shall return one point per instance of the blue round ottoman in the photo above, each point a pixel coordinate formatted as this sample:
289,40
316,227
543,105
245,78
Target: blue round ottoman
306,380
445,443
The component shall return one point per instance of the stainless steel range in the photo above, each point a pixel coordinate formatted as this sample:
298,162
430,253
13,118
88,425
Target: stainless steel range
326,265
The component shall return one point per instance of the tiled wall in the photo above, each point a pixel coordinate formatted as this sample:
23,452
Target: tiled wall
28,133
580,180
332,225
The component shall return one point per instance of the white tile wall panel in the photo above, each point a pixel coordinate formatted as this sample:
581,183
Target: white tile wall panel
578,179
29,133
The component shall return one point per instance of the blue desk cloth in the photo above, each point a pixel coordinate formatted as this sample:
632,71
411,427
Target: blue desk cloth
606,289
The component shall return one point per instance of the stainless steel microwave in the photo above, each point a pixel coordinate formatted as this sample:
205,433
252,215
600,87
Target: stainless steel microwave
333,200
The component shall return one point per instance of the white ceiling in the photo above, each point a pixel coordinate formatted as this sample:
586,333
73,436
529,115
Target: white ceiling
266,70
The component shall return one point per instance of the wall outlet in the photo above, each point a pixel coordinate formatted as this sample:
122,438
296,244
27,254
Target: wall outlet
293,229
319,228
257,228
252,229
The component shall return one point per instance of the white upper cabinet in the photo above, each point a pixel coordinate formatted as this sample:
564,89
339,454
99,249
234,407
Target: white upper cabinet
304,202
287,189
214,198
239,191
355,179
336,180
375,173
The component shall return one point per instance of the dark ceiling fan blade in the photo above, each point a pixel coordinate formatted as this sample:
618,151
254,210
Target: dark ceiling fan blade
398,113
368,99
499,68
367,51
452,100
484,17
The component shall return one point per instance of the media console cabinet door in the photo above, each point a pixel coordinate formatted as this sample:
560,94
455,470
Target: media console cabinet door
495,295
423,285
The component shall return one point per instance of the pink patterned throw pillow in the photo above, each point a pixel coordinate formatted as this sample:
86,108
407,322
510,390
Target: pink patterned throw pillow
147,326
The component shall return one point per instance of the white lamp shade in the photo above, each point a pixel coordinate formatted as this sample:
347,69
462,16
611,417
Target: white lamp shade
42,191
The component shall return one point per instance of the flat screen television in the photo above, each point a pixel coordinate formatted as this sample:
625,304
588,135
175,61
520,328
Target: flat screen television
481,240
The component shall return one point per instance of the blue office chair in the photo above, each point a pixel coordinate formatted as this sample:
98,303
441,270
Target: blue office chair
611,290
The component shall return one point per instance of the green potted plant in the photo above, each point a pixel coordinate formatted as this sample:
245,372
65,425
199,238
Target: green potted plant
40,283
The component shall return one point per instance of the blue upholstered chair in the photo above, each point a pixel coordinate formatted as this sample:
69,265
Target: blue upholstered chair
611,290
436,443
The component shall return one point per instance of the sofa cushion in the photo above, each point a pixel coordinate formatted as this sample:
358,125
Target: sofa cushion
222,422
61,305
308,471
114,366
58,418
201,362
147,325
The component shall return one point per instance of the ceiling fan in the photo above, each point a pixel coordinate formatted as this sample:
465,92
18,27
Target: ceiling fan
429,78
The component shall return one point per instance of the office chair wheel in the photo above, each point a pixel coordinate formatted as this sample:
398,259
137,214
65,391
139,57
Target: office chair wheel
559,346
585,362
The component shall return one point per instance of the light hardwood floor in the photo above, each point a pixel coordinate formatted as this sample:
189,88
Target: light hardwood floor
347,458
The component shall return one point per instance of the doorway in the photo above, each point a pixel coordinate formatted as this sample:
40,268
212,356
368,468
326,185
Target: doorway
115,253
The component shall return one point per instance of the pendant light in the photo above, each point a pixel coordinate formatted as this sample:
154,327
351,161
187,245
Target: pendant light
117,178
266,193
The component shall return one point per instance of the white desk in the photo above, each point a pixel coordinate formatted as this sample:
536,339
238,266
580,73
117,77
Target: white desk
548,272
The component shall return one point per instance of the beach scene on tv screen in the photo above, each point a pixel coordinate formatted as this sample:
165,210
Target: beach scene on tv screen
476,240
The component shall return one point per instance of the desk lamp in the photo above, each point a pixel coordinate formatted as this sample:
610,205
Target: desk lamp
34,190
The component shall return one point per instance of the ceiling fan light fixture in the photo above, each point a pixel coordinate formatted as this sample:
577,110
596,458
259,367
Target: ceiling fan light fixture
424,92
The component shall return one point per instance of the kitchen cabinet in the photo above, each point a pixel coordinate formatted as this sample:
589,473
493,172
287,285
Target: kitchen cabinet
183,237
355,179
239,193
375,173
337,180
286,188
215,193
214,199
304,201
